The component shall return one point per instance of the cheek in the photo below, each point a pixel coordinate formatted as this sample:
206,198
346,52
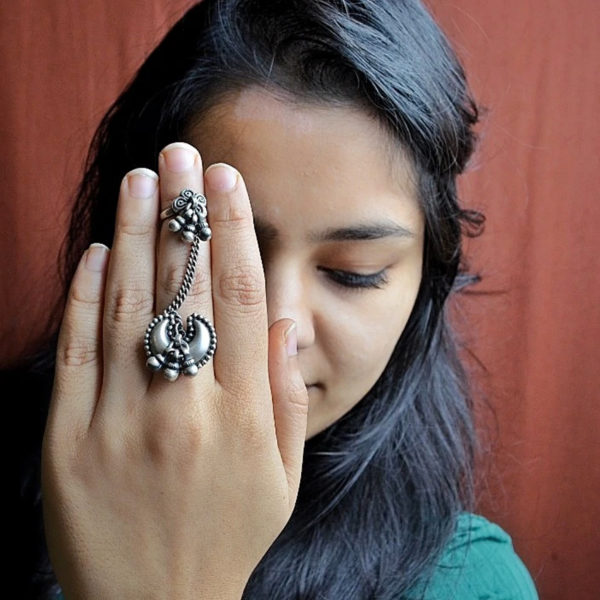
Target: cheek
362,337
365,336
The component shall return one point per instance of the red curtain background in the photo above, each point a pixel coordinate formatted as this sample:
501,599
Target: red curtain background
534,66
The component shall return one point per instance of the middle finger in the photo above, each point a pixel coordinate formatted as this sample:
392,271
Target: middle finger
180,167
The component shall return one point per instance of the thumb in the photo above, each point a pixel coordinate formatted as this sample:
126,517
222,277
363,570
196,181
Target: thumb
290,401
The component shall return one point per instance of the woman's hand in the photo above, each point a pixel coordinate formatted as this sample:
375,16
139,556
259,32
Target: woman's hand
158,489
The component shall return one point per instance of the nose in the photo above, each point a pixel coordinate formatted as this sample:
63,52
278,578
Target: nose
289,296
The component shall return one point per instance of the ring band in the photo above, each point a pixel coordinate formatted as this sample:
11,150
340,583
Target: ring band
166,213
168,345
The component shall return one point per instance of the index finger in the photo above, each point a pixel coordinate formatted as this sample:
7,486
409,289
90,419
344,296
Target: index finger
239,295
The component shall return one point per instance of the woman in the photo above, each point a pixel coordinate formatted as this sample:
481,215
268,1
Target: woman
336,462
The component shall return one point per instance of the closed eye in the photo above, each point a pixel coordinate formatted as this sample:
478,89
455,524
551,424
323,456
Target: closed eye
346,279
357,280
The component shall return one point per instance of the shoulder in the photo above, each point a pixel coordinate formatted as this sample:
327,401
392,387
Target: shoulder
480,563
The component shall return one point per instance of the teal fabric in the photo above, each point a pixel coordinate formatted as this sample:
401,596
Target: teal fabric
479,563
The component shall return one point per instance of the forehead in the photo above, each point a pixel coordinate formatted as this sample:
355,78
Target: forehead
321,153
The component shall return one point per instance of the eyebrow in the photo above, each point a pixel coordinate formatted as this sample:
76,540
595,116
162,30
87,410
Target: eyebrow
372,230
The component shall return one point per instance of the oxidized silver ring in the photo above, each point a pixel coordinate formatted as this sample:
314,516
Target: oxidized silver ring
168,345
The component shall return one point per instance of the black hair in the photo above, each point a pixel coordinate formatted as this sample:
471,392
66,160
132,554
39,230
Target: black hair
382,487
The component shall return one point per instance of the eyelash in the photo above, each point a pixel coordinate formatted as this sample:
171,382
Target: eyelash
356,280
348,280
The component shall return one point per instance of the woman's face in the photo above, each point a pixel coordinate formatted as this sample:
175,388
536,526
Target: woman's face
327,198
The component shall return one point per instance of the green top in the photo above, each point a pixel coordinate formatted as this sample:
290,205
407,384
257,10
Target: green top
479,563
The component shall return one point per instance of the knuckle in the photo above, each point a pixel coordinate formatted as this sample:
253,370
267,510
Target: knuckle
243,286
175,439
84,299
173,279
111,445
201,286
191,436
297,398
128,302
134,229
159,441
78,351
234,215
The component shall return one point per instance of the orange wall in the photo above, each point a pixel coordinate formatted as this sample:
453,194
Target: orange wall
535,66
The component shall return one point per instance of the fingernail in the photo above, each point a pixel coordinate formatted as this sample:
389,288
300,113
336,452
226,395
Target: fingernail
291,340
221,177
96,257
142,183
179,158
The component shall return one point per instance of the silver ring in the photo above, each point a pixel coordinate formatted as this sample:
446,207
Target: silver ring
188,212
168,345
